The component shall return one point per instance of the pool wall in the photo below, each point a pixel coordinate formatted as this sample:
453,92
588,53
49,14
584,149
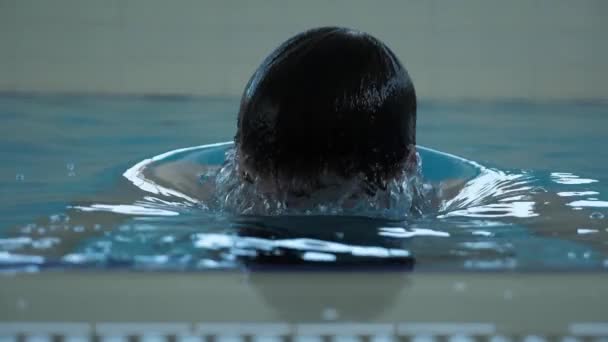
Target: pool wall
534,50
471,304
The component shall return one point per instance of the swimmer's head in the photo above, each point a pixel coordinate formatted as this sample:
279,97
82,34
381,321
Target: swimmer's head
328,103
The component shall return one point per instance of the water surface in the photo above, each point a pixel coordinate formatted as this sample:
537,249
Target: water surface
540,204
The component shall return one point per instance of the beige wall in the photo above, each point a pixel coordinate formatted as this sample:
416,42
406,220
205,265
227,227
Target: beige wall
464,49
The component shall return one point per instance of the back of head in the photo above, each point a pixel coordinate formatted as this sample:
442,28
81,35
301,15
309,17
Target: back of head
327,102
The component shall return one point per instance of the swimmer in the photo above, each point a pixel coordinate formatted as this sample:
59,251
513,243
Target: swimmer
326,125
329,103
328,117
329,107
327,120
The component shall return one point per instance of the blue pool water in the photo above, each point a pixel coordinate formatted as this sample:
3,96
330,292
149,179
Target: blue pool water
536,202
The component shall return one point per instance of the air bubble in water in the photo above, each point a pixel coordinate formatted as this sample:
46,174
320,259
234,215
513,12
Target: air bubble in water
20,177
596,216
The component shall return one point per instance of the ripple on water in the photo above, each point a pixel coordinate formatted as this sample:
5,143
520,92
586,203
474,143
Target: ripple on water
498,220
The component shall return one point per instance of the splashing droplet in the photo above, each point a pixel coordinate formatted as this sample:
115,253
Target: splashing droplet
71,167
571,255
587,255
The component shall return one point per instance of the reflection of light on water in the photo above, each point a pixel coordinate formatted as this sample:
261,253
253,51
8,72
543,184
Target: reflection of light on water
10,244
136,176
481,245
81,258
569,178
515,209
490,185
577,193
10,258
318,256
586,203
127,209
473,223
45,243
582,231
482,233
496,264
493,194
398,232
152,260
314,250
213,241
513,198
15,243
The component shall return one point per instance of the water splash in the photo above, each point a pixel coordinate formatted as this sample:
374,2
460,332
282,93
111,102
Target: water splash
403,196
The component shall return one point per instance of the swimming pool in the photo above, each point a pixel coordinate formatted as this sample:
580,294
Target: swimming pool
58,151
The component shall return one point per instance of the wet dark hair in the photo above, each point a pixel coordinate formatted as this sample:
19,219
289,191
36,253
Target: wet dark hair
327,101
